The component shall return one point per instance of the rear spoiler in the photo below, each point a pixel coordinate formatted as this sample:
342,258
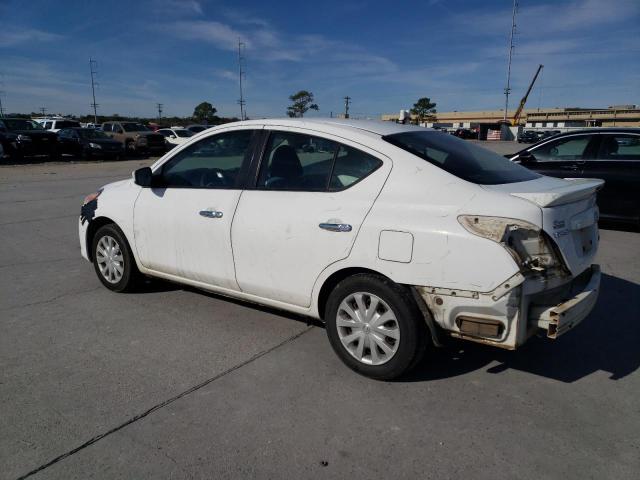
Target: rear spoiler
578,189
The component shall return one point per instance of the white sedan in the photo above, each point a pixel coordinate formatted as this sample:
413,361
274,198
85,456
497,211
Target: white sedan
395,236
176,136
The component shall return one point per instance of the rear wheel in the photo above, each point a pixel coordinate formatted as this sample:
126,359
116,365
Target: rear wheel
113,260
375,327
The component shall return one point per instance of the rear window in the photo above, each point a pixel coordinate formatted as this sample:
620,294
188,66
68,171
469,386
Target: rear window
461,158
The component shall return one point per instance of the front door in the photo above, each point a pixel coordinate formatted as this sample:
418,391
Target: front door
311,196
183,226
563,157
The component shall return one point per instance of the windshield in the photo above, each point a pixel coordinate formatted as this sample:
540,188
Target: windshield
91,133
134,127
19,124
461,158
66,124
183,133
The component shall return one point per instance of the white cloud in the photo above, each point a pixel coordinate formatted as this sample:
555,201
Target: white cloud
216,33
15,36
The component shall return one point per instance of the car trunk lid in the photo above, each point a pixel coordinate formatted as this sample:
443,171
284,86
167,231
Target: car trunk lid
569,214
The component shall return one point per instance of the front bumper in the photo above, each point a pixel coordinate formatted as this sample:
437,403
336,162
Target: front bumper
575,305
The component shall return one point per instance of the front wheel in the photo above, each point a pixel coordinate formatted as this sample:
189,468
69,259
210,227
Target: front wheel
113,260
375,326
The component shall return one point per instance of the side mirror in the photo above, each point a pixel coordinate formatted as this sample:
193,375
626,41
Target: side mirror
526,157
143,177
172,136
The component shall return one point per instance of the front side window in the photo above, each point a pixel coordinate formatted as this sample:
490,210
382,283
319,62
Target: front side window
48,125
165,133
213,162
107,127
620,147
67,124
134,127
183,133
563,149
461,158
19,124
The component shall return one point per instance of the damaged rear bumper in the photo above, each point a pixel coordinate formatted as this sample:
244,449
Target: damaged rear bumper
561,317
517,309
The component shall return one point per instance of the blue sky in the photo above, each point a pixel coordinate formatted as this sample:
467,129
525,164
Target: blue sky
383,54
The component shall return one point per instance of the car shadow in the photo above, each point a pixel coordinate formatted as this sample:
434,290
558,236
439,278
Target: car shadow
607,340
616,225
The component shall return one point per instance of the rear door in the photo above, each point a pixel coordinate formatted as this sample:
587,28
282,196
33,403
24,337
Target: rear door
311,195
617,162
563,157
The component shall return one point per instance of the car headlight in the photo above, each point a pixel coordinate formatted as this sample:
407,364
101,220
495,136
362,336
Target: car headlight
526,243
23,138
95,145
91,197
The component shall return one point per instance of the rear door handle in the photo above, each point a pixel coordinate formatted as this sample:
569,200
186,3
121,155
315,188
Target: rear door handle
336,227
211,213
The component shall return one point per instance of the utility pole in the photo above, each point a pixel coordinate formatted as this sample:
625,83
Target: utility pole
507,90
1,95
347,99
241,73
43,110
92,68
160,105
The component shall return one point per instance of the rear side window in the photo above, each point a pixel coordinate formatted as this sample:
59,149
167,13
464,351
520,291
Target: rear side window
461,158
67,124
620,147
351,166
294,161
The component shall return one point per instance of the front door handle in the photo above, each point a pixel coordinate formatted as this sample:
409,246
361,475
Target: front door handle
336,227
211,213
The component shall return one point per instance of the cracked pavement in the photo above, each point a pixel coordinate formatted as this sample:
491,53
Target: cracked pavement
177,383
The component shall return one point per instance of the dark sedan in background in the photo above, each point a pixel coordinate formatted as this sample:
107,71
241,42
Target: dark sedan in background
24,138
88,143
612,154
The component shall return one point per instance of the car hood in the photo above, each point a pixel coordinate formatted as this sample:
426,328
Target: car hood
102,141
34,133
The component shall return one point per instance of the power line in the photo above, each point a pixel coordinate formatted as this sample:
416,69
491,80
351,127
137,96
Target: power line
92,68
507,89
159,105
347,99
241,73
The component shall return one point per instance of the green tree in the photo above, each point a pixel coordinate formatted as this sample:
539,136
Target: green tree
424,109
204,113
302,103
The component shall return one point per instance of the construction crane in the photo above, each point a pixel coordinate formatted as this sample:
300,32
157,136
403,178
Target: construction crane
516,116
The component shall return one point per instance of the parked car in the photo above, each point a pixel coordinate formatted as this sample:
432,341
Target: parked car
612,154
197,128
135,137
176,136
23,138
88,143
57,124
395,236
529,136
466,133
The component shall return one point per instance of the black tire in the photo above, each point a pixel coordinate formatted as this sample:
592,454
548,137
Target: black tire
131,278
413,339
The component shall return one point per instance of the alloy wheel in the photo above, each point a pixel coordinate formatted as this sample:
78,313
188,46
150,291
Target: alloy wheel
109,259
368,328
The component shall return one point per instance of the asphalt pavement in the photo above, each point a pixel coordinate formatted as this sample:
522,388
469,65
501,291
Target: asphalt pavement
177,383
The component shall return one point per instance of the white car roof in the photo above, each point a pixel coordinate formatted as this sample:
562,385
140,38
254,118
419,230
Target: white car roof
372,126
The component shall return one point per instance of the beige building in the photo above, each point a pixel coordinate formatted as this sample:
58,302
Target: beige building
614,116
